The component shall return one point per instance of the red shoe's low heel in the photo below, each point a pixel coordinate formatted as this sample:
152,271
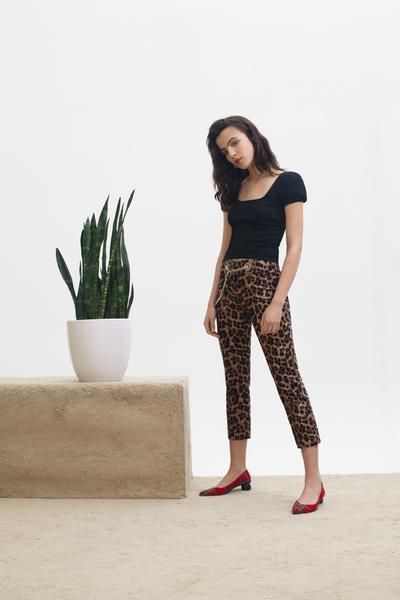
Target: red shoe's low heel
243,480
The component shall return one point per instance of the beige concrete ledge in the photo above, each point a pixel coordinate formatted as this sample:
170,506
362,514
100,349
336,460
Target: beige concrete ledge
61,438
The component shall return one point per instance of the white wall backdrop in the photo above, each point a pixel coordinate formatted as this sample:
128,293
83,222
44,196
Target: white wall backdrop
103,97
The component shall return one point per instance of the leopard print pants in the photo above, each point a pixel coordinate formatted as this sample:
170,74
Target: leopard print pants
245,289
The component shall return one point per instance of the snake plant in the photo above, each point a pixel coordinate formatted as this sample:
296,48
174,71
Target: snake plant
105,297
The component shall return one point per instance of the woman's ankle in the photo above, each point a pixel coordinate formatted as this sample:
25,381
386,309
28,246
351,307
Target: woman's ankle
313,479
237,468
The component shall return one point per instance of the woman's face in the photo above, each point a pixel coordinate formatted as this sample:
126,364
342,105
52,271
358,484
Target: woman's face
235,146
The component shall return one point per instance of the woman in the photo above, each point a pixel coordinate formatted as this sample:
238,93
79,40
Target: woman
259,201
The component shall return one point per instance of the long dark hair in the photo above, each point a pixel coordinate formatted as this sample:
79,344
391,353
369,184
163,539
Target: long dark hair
226,177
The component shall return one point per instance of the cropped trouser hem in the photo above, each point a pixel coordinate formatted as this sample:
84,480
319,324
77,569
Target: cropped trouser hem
298,444
308,444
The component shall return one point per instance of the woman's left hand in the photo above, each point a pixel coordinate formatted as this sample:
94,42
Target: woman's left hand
271,319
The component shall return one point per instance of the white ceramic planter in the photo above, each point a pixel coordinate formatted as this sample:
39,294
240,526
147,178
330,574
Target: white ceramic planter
99,348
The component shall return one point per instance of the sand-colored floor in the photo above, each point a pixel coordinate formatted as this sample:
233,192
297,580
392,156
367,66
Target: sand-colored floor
245,544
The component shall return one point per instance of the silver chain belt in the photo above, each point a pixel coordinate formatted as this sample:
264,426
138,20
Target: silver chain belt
228,270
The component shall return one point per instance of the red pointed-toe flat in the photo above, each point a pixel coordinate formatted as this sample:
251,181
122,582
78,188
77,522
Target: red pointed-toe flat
298,508
244,480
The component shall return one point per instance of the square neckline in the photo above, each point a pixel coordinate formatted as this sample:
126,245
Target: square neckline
267,192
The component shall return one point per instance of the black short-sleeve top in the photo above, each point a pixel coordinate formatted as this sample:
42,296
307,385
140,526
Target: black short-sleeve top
258,225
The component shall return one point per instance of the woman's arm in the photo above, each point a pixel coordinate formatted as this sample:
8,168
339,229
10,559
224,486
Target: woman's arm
294,244
226,238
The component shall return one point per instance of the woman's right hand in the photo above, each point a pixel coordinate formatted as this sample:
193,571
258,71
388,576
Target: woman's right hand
209,321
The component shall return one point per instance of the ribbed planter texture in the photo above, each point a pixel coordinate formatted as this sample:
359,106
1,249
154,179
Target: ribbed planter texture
99,348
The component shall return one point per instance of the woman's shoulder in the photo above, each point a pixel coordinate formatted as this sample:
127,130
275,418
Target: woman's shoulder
291,179
294,189
293,175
